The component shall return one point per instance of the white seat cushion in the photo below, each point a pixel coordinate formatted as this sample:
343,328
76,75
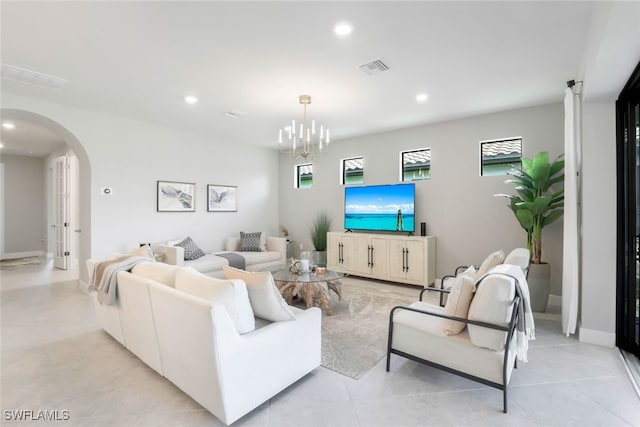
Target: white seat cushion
253,258
208,263
422,336
264,295
232,294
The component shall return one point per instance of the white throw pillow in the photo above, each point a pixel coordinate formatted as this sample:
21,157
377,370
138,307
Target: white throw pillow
458,303
489,262
232,294
158,271
265,297
492,303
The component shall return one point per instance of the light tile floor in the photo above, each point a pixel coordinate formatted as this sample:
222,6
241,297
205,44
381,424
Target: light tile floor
55,357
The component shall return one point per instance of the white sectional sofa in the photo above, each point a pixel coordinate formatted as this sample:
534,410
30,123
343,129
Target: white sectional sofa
212,264
195,343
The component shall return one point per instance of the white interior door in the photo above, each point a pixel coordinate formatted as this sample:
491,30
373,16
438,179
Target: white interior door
61,213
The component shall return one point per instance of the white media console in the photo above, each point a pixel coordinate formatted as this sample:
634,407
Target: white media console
396,258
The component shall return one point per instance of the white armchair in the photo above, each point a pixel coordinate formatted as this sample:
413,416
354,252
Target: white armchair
519,256
486,349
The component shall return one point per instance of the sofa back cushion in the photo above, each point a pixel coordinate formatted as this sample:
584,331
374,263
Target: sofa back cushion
489,262
519,257
492,303
265,297
232,294
157,271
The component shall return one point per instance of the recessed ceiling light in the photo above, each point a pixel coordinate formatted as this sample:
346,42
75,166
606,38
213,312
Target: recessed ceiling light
1,145
190,99
8,125
343,29
422,97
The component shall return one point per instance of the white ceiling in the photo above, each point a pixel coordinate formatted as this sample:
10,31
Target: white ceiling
140,59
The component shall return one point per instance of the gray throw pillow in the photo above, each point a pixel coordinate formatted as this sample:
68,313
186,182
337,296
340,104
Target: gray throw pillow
250,242
191,250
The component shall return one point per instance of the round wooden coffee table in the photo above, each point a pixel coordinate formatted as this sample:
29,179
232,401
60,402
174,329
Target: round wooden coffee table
310,287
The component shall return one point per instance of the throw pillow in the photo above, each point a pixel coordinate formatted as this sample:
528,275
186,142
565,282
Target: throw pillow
250,242
265,297
232,294
489,262
144,251
191,250
458,303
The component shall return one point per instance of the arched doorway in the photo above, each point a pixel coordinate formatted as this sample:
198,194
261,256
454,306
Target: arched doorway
83,225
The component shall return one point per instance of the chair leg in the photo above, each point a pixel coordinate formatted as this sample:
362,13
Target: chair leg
388,360
504,400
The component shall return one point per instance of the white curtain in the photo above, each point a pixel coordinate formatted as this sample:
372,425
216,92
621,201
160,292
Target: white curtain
571,240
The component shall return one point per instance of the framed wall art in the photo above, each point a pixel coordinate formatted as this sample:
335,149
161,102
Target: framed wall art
222,198
176,196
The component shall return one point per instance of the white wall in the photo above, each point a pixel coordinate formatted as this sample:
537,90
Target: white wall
130,156
24,204
456,203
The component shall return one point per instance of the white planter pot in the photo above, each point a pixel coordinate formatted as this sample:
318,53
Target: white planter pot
539,284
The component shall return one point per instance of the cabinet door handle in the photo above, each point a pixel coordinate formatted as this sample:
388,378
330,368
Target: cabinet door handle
406,254
403,261
371,256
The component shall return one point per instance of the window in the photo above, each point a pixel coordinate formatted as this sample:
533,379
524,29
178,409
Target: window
304,176
499,156
352,171
415,164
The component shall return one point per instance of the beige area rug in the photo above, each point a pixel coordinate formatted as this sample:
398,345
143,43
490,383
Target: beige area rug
11,264
354,339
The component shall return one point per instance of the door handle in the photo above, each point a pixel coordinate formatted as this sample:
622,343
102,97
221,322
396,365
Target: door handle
78,230
406,254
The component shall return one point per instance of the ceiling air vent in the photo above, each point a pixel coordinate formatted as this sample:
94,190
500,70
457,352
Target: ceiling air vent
32,78
374,67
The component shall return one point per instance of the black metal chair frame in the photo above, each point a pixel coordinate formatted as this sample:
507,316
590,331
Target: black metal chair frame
510,329
447,276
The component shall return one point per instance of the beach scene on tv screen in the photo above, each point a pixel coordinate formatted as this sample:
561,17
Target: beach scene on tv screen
384,207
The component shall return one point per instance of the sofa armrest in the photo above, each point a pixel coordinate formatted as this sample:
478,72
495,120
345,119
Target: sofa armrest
173,255
232,244
278,244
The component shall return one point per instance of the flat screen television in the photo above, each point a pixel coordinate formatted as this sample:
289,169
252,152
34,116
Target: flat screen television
380,207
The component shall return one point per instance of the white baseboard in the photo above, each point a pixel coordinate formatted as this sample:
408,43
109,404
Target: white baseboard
84,286
14,255
591,336
555,300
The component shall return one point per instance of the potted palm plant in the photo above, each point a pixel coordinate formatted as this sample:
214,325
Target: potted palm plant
536,205
319,229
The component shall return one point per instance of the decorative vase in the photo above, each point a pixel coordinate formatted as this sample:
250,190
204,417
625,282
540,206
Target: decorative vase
319,258
539,279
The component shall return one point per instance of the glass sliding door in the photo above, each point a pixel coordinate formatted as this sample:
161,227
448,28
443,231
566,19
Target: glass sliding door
628,276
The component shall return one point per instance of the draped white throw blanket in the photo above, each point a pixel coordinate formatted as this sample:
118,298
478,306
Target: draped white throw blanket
571,240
